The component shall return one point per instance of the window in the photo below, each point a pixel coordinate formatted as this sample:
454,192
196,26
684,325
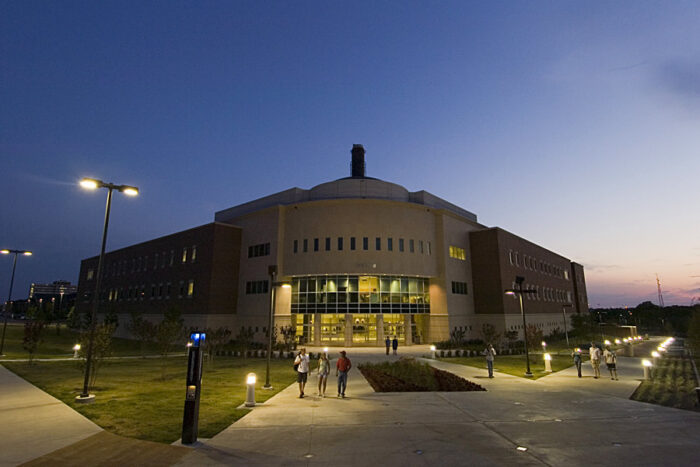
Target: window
184,255
430,249
155,261
182,289
193,258
457,253
390,244
254,251
190,288
459,288
352,243
256,287
296,246
401,244
90,274
328,243
566,274
411,246
306,245
315,244
365,243
172,257
168,289
340,243
378,243
420,246
162,265
510,256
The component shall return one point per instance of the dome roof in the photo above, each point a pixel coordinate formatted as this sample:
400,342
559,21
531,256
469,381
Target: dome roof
359,187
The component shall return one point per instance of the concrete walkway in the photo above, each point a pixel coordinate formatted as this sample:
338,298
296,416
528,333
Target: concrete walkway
35,423
559,420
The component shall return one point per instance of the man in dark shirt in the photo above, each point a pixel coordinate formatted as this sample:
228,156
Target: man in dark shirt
341,371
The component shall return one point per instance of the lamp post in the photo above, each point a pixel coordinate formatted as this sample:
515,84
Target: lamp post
9,294
519,292
272,271
93,184
566,329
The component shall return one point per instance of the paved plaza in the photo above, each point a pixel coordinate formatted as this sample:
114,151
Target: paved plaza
555,420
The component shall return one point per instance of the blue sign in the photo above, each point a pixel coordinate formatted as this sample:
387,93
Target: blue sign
197,338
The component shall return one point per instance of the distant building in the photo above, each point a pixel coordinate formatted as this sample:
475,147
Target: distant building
363,258
58,290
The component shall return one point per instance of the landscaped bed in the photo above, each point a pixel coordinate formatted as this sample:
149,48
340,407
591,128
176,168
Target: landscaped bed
409,375
515,364
673,385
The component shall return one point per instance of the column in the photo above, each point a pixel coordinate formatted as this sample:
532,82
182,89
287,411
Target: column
408,331
380,329
348,330
317,329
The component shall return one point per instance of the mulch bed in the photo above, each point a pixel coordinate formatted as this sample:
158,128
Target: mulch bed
446,381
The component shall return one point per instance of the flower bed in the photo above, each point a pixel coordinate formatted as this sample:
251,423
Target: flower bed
409,375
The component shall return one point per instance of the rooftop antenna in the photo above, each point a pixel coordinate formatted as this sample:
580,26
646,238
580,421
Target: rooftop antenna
658,286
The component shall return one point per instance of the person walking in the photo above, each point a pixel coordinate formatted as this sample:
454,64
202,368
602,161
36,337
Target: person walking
611,362
489,352
594,352
324,368
395,344
577,360
342,367
388,344
302,364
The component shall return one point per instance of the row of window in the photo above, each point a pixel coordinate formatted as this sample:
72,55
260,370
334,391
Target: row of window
262,249
123,267
421,246
256,287
142,292
549,324
457,253
459,288
533,264
547,294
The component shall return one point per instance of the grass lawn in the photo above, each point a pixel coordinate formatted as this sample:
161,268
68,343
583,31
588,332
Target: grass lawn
144,398
515,364
672,385
61,345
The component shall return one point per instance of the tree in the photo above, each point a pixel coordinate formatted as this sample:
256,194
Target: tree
488,331
32,337
215,341
288,333
534,337
111,317
511,337
73,318
581,325
457,336
170,330
694,333
101,349
143,330
244,338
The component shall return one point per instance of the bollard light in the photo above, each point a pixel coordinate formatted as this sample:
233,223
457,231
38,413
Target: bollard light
625,340
655,354
544,344
325,350
647,369
547,363
618,341
607,342
250,391
76,349
433,349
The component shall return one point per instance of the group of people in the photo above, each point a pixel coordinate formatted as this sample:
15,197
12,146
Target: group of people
393,343
302,364
596,356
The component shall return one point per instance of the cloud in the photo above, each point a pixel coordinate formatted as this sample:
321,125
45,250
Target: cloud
681,78
601,267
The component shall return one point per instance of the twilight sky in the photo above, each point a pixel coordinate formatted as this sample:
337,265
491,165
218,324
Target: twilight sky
575,125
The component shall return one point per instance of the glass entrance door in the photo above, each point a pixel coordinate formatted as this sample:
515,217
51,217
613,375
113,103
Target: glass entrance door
394,326
332,328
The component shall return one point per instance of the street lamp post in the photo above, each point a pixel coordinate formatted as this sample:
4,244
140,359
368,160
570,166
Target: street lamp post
92,184
272,271
566,330
9,294
519,292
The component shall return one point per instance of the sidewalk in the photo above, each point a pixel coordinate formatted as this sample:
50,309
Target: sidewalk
35,423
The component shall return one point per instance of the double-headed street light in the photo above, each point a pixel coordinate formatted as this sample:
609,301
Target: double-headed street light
272,271
519,292
93,184
9,294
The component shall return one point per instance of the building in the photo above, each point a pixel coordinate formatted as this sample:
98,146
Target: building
356,259
57,290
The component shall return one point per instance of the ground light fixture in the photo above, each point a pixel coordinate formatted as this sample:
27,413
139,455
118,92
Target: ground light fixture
548,362
519,291
433,349
93,184
607,342
7,251
325,350
647,368
76,349
250,390
618,341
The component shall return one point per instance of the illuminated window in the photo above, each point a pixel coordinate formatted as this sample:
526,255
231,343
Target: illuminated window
566,274
184,255
194,254
457,253
190,288
90,274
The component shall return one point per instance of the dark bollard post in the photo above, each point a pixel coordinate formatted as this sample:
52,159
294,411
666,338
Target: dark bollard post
190,419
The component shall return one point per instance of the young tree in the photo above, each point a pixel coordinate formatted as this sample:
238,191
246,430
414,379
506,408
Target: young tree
488,331
511,337
32,337
244,338
534,337
170,330
101,349
288,333
457,336
215,340
694,333
143,330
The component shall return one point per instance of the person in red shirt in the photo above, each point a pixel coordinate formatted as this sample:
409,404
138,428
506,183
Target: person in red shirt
342,367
